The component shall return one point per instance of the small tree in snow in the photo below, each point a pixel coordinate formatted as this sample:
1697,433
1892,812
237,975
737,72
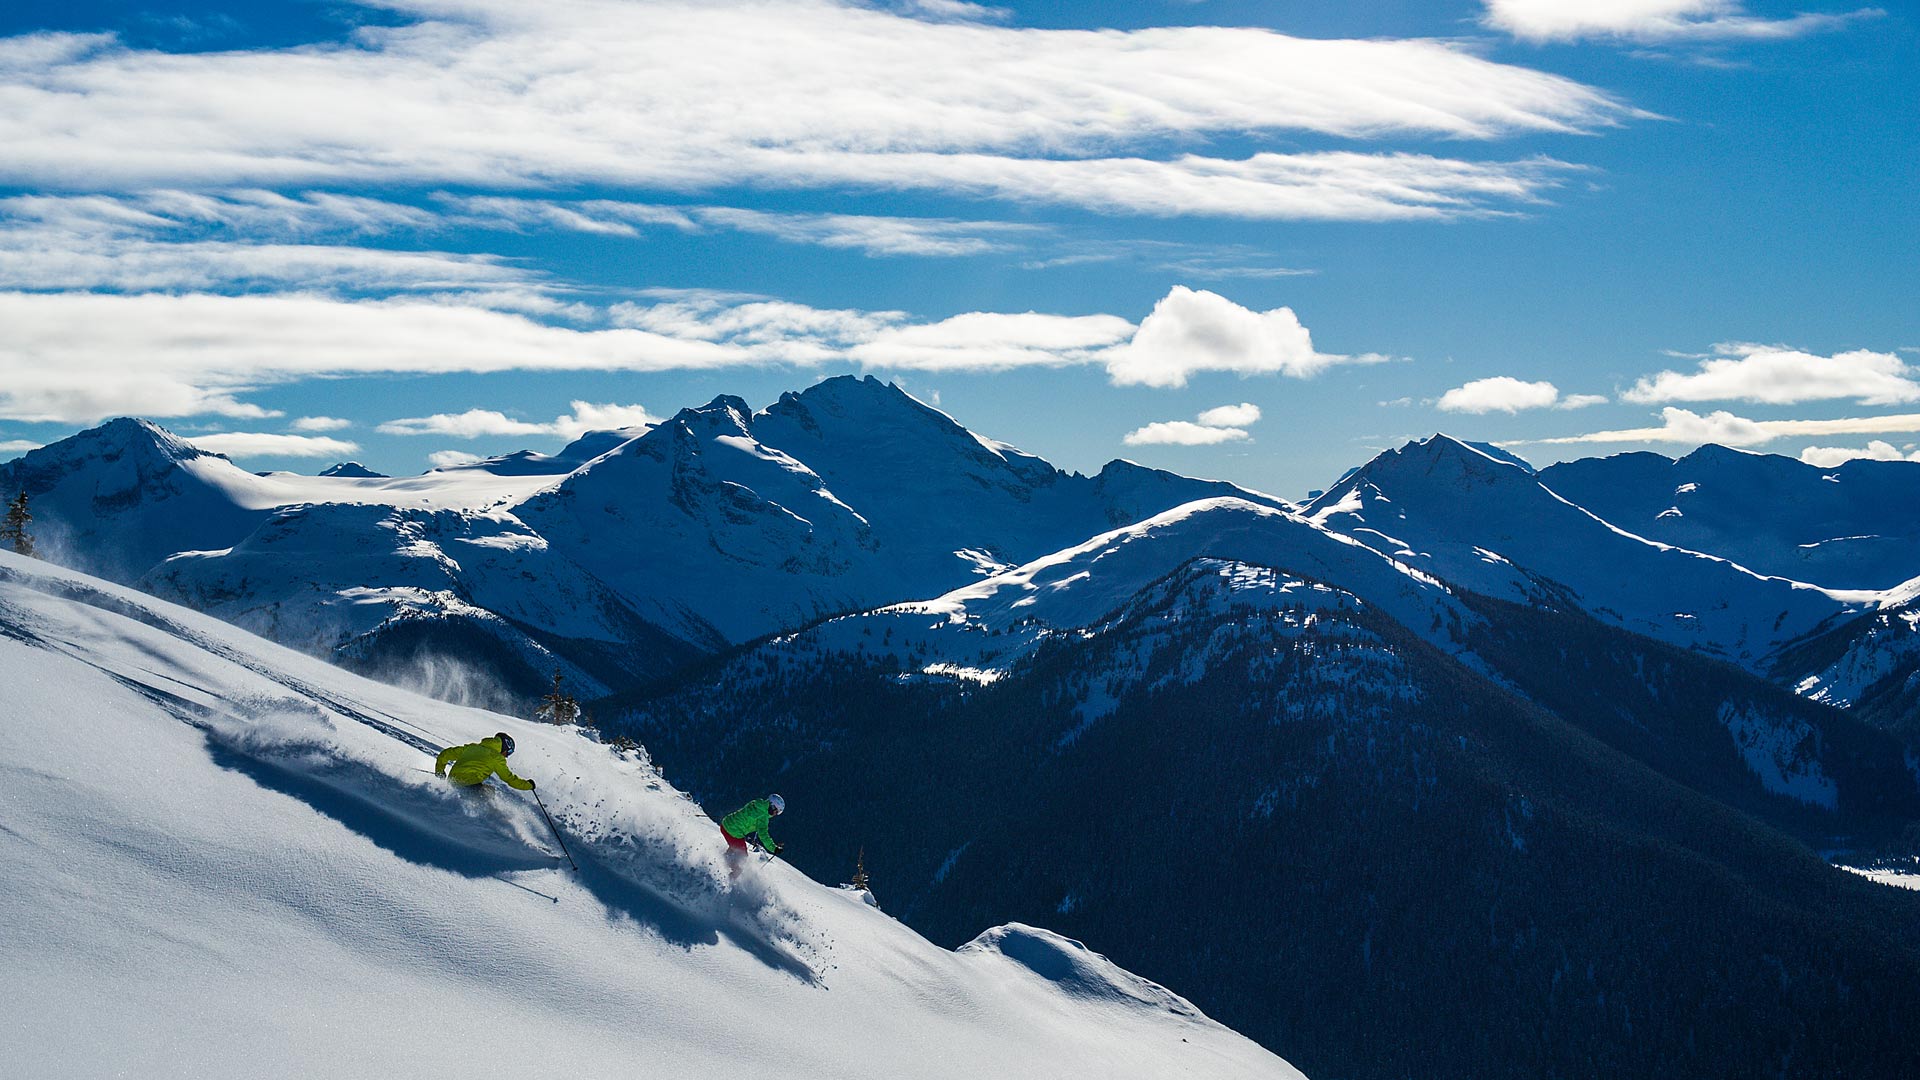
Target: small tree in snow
558,707
14,531
860,872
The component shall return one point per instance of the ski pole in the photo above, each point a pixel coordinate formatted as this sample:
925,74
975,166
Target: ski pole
556,832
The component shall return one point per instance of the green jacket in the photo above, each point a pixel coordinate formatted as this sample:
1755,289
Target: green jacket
474,762
752,818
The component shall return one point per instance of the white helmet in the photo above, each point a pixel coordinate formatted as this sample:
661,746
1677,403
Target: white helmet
778,804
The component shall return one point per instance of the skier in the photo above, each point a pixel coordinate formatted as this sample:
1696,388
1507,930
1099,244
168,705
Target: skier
752,820
474,762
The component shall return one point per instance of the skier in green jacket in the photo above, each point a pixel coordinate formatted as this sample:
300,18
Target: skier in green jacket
753,819
473,763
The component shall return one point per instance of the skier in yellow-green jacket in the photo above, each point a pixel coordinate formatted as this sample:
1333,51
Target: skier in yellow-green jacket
470,765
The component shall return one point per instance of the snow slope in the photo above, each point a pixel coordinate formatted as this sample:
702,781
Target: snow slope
227,859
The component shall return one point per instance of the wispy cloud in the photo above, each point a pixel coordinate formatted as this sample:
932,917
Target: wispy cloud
1654,20
265,444
75,357
446,459
1775,375
1690,428
683,96
180,240
475,423
321,423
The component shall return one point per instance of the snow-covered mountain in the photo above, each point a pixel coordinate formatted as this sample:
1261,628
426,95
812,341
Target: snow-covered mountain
631,552
353,470
120,497
1360,770
723,524
1491,526
1853,526
227,859
617,559
467,605
981,631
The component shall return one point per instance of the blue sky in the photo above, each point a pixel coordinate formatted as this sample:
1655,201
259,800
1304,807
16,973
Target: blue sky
429,227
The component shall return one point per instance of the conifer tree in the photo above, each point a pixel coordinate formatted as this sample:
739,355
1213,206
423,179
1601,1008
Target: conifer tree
13,531
558,707
860,880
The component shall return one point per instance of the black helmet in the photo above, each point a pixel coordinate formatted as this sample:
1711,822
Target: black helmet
506,743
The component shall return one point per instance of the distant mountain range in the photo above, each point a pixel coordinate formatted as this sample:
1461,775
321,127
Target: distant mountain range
1521,771
632,553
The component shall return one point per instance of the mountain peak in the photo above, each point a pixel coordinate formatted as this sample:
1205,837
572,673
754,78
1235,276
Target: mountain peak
353,470
1714,453
725,410
118,437
1442,452
855,397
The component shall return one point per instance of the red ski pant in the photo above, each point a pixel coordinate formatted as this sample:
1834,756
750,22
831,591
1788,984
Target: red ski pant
733,841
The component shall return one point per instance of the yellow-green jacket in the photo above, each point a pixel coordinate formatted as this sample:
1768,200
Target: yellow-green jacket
474,762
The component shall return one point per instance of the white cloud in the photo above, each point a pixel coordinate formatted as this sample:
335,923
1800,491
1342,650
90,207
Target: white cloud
441,459
1772,375
1242,415
77,357
475,423
18,446
1688,427
873,235
1224,423
1191,331
321,423
682,96
1651,20
1182,433
1826,457
179,240
988,341
1502,393
263,444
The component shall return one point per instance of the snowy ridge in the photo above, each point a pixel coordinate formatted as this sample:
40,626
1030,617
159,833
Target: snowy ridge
621,556
722,522
1192,565
1490,526
1854,526
282,868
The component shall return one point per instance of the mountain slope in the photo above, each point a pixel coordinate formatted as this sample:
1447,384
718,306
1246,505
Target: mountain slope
464,605
1854,526
120,497
227,859
1487,525
723,524
1421,870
